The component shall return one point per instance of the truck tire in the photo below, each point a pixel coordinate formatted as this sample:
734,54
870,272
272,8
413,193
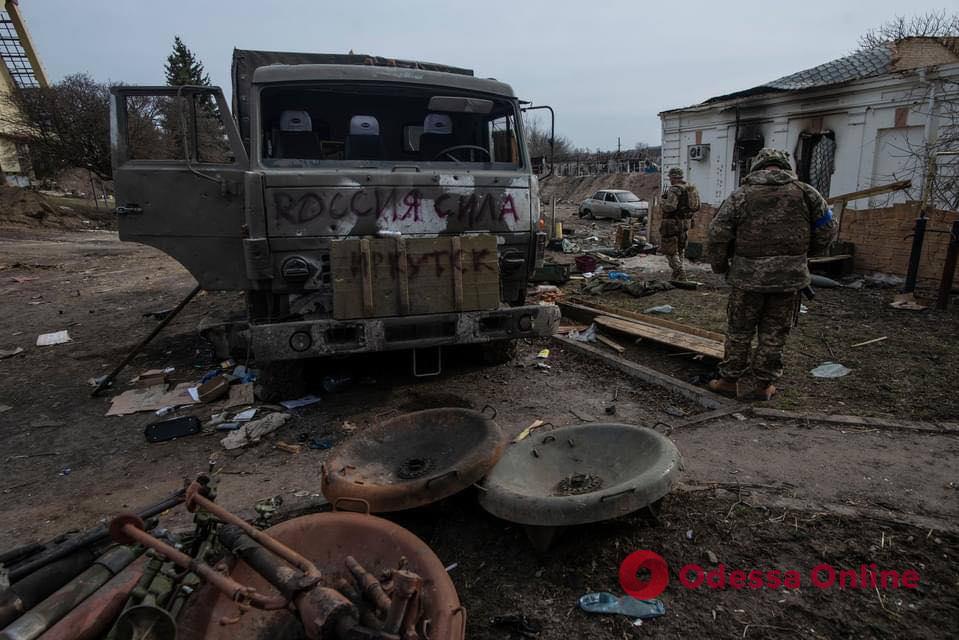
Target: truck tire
585,213
498,352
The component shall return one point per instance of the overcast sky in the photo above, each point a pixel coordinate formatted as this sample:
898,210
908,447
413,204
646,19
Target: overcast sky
607,67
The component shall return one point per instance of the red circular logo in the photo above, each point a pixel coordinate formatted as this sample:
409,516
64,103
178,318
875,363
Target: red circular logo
649,586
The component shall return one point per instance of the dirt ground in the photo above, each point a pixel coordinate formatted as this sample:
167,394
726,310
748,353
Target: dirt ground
67,466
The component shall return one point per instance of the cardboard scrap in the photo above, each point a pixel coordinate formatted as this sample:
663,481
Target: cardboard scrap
50,339
150,399
9,353
251,432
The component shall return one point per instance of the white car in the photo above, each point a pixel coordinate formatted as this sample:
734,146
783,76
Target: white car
614,203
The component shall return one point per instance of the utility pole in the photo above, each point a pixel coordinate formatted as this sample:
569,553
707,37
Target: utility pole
618,150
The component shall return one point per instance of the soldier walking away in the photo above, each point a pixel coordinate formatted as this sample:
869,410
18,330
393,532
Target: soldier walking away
680,202
760,238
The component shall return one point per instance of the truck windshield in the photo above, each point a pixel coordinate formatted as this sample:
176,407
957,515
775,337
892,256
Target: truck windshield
326,125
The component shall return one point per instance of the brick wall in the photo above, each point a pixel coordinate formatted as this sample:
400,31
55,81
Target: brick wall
879,236
881,244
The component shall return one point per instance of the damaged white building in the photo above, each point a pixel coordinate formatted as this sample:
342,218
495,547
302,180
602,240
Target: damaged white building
857,122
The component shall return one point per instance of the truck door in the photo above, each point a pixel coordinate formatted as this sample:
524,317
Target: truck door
178,169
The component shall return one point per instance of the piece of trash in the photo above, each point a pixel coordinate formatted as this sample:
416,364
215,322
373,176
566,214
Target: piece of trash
65,471
243,375
518,624
334,383
663,308
858,284
322,443
95,382
9,353
213,389
451,567
803,308
50,339
227,426
289,448
629,606
543,366
305,401
619,275
162,411
536,424
251,432
689,534
874,340
151,377
712,557
5,407
172,429
245,416
739,416
907,301
830,370
588,335
543,354
823,282
676,412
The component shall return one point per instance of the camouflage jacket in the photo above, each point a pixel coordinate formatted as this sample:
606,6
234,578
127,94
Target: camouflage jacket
675,215
764,230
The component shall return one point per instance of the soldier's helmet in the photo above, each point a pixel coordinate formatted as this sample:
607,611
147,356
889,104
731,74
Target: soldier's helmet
676,172
768,156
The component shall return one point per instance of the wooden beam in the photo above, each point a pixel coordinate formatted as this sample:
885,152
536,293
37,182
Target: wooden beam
671,337
612,344
583,311
859,421
871,191
699,395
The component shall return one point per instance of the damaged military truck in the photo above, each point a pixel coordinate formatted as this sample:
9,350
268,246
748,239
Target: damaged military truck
363,204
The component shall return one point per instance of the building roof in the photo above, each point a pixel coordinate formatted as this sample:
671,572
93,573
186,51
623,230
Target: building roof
891,57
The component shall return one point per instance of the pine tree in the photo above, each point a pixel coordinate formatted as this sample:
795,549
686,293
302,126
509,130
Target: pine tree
182,67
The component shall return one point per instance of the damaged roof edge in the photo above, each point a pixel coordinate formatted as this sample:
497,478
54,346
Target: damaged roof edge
351,72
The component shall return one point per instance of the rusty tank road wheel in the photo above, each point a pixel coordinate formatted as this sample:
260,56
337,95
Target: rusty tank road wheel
580,474
327,539
414,459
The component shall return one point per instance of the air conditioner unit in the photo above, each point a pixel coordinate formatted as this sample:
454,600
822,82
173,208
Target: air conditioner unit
698,152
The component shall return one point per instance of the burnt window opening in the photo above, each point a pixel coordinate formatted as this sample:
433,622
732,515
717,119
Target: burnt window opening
815,159
749,140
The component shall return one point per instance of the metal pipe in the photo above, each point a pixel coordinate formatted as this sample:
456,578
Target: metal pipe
915,253
129,528
14,555
33,589
195,498
95,614
91,537
286,579
370,586
949,268
133,352
33,623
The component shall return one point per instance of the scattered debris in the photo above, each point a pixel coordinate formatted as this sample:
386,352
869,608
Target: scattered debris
211,390
712,557
604,602
289,448
305,401
803,308
542,355
536,424
673,334
830,370
676,412
663,308
908,302
619,275
9,353
50,339
152,377
172,429
612,344
245,416
251,432
322,443
874,340
589,335
150,399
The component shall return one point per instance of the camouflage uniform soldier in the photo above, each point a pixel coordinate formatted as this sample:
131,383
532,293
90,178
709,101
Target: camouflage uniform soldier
760,239
675,224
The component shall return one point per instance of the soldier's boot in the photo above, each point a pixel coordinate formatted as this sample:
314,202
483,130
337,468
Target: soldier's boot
723,385
761,392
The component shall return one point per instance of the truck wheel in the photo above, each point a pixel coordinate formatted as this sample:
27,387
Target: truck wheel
585,213
281,380
498,352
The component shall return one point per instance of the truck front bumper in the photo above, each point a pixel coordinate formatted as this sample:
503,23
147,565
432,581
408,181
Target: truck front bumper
318,338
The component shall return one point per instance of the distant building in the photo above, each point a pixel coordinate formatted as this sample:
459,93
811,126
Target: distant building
21,71
850,124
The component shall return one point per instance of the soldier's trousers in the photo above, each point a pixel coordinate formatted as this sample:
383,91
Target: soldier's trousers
771,315
674,248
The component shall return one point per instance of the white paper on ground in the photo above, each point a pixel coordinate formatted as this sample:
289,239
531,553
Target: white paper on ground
50,339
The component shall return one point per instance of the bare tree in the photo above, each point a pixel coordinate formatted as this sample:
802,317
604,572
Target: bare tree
537,140
933,24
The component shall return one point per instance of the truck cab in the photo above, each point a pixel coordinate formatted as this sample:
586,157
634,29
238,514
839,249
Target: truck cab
362,204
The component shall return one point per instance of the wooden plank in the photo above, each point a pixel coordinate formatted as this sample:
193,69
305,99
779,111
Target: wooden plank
674,338
858,421
612,344
871,191
703,397
579,309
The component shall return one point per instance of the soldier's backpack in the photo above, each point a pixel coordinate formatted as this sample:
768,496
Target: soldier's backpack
691,198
